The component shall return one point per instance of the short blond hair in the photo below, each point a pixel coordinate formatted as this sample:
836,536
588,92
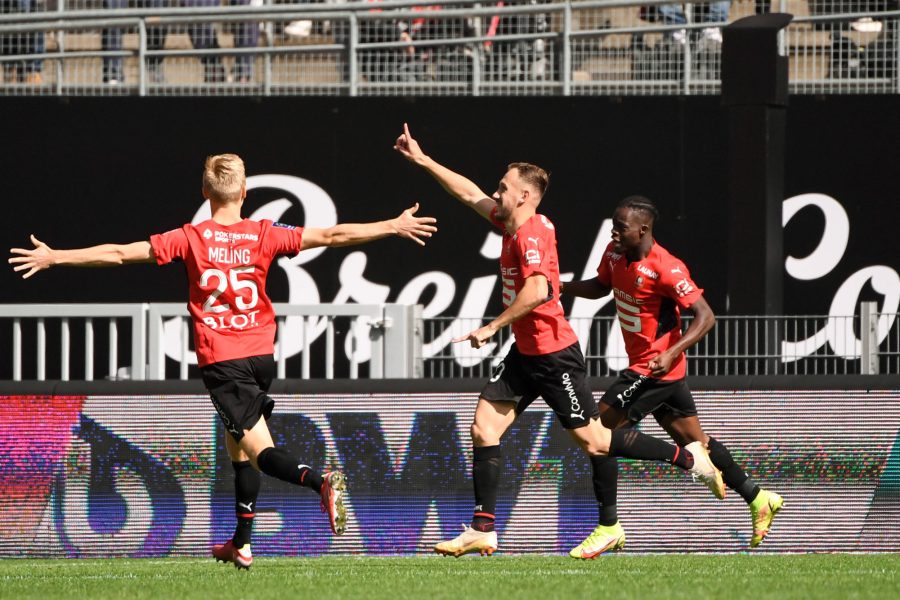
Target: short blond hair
223,177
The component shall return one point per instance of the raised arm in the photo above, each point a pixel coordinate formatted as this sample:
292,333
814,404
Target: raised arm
587,288
534,292
456,185
43,256
407,225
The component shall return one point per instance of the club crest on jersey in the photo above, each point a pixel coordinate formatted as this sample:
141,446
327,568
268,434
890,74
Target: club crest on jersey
639,281
207,234
284,225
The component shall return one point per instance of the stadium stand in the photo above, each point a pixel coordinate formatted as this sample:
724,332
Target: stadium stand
539,48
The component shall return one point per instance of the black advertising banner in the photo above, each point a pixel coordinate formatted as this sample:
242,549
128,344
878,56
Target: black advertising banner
89,170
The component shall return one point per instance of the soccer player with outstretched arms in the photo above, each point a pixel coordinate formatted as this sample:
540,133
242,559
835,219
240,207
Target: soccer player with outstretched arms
227,258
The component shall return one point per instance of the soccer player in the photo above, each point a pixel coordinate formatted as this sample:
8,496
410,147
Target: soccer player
650,288
546,359
227,259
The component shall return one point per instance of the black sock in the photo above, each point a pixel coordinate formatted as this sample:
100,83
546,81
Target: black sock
486,477
246,489
628,443
605,479
277,463
733,475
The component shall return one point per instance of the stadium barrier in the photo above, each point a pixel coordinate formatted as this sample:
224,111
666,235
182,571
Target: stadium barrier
383,336
395,341
105,469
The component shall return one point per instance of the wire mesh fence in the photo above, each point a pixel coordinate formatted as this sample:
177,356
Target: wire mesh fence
404,47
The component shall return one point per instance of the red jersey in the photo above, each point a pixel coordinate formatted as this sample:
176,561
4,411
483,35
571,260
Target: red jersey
227,267
533,250
649,296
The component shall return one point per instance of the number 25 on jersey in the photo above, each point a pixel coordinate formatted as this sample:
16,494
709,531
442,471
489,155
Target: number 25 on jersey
216,306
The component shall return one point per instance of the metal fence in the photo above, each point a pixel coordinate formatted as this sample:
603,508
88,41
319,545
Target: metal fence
867,343
61,341
406,47
153,341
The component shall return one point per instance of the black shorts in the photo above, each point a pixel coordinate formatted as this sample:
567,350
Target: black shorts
238,391
641,395
559,378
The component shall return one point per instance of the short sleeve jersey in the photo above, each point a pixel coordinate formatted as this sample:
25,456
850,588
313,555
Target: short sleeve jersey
649,296
532,250
227,267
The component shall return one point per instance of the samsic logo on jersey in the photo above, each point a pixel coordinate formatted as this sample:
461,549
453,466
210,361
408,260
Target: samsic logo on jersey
683,288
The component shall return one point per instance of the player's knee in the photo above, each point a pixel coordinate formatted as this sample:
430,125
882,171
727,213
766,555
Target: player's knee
595,449
484,436
594,439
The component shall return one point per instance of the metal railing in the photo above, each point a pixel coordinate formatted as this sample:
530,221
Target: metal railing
88,314
383,338
403,47
868,343
394,341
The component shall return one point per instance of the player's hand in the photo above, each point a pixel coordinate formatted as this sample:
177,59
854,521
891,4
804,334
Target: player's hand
408,147
477,338
32,260
409,226
660,364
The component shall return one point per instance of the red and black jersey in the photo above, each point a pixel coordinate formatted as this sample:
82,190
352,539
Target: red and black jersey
227,267
532,250
649,296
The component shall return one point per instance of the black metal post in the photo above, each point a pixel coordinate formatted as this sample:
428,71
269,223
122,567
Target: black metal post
754,94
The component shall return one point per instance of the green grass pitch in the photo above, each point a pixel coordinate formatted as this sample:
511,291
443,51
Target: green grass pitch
656,577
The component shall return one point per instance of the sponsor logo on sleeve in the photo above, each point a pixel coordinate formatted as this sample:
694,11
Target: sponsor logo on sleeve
683,288
284,226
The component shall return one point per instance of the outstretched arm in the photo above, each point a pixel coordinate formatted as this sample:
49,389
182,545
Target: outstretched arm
704,319
533,293
407,225
43,256
587,288
456,185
